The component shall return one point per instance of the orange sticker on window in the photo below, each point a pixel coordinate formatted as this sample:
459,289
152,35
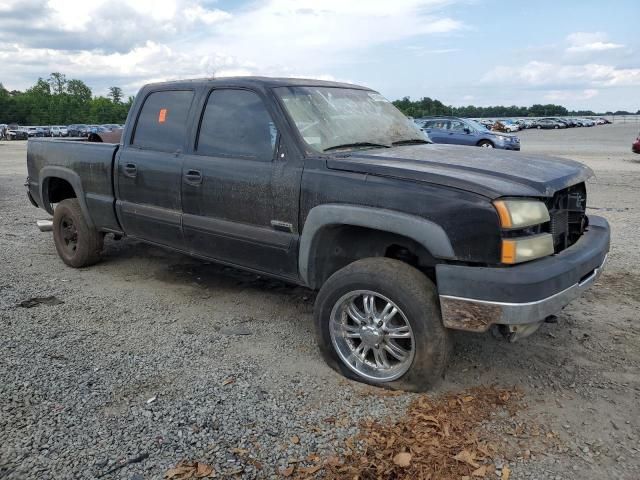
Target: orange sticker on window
162,116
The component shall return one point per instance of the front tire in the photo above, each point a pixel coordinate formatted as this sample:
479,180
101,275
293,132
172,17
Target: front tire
378,321
77,244
485,144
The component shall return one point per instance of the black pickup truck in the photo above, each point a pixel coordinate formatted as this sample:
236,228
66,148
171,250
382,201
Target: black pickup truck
328,185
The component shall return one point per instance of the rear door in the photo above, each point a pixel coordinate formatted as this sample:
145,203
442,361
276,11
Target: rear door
437,130
241,187
149,169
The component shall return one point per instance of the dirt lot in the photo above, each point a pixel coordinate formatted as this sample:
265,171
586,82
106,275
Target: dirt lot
154,357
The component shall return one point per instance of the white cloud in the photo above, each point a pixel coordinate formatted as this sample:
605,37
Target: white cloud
570,95
130,43
543,74
581,42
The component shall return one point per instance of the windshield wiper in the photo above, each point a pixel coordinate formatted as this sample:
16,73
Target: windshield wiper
357,144
412,141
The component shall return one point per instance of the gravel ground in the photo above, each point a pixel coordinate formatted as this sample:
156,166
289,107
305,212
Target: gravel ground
155,357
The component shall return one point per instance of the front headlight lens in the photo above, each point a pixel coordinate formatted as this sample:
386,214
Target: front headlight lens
523,249
521,213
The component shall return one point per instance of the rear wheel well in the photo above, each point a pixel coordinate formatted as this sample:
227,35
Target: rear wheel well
58,189
335,247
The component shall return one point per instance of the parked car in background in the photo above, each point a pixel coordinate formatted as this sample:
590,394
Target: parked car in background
46,131
635,146
76,129
603,121
547,123
59,131
505,126
35,132
485,122
462,131
560,121
16,132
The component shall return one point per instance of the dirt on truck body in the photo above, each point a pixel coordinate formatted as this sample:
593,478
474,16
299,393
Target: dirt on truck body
328,186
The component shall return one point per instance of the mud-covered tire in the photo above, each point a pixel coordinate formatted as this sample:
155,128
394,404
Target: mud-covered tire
416,299
77,244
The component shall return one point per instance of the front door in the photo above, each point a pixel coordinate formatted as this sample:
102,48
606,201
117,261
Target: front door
240,190
149,170
460,133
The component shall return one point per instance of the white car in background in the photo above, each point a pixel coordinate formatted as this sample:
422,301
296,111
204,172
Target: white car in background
59,131
510,126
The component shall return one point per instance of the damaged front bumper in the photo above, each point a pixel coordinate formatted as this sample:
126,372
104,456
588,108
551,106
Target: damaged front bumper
475,298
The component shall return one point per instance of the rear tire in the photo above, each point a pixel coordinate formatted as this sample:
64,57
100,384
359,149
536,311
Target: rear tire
365,350
77,244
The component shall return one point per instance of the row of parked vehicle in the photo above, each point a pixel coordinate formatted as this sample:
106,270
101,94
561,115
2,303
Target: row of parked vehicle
492,133
17,132
515,125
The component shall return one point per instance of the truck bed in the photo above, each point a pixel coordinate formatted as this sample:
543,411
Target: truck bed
87,166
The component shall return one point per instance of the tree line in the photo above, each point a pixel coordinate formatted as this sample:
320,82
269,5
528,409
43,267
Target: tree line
426,107
61,101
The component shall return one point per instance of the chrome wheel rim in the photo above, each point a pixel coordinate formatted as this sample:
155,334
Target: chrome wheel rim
372,336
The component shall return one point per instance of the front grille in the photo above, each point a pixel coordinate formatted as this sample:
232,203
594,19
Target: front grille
567,212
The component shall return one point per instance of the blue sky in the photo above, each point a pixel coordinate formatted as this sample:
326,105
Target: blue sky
582,54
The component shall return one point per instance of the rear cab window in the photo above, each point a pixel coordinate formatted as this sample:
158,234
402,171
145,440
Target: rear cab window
163,119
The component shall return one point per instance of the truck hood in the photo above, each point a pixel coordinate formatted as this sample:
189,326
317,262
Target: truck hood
489,172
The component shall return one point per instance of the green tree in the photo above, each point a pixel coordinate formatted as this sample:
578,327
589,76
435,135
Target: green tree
115,93
58,82
79,90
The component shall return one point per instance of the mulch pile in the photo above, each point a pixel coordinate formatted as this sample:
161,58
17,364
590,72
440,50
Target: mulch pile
443,438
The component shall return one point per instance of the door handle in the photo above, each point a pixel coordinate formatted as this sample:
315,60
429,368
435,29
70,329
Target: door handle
130,170
193,177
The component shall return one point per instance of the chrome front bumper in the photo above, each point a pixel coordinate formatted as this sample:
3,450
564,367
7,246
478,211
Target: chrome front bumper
478,315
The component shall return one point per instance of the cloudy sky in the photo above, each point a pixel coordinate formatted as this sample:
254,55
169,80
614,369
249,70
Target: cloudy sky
580,53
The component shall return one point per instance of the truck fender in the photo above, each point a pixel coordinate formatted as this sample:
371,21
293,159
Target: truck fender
74,180
425,232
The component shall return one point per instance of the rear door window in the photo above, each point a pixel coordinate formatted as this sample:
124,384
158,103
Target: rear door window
438,124
162,123
236,123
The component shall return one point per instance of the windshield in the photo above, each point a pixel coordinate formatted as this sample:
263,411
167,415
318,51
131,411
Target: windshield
333,118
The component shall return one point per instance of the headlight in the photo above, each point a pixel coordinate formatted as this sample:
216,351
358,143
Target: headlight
523,249
521,213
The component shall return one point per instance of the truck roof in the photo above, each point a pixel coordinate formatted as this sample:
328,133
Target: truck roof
260,82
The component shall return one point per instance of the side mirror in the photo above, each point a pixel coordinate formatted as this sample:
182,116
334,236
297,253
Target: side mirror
467,130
